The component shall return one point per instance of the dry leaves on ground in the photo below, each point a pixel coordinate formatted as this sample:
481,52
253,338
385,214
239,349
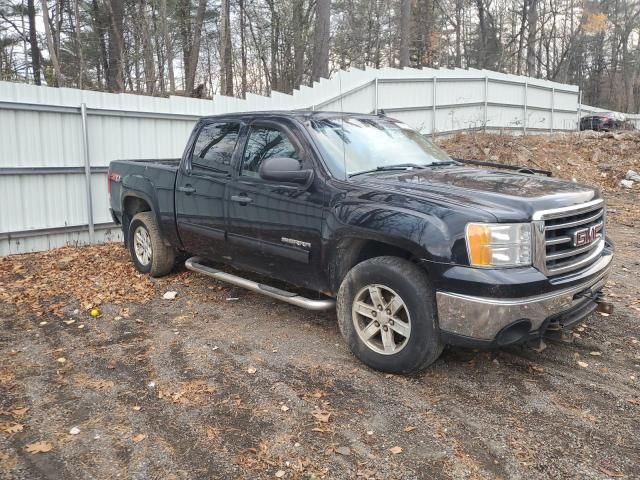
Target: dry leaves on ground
138,438
190,393
11,427
49,282
39,447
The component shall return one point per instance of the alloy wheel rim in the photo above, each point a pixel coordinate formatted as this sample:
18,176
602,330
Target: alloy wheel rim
381,319
142,245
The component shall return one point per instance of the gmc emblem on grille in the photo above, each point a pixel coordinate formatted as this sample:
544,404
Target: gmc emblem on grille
584,236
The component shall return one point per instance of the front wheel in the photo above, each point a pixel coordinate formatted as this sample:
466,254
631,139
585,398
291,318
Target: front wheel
148,251
387,314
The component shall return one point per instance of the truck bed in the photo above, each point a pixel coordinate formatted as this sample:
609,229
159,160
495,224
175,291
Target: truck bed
171,163
152,180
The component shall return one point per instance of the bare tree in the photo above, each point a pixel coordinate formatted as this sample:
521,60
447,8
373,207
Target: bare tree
226,75
405,31
321,40
33,42
53,53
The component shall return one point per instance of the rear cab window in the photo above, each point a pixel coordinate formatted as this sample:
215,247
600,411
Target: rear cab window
214,146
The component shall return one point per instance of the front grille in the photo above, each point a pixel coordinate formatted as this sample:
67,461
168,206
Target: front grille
560,227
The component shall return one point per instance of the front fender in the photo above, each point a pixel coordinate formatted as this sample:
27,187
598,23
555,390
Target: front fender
436,235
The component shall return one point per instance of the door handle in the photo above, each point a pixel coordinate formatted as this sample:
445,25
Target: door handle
188,189
242,199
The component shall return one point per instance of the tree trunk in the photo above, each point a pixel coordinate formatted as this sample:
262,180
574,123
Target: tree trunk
192,54
532,21
405,32
320,67
147,51
158,49
459,12
76,13
168,46
226,75
33,42
115,71
59,77
299,44
243,49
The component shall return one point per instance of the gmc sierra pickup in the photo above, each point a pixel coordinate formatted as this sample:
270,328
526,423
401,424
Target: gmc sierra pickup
413,249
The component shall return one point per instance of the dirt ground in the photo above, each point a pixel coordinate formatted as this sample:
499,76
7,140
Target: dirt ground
223,383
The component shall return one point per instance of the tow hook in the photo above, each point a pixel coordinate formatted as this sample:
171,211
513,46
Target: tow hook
598,297
604,307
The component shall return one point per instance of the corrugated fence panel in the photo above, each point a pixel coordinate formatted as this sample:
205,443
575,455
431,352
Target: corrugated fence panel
43,194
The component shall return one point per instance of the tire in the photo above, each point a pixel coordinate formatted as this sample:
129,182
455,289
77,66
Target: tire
158,259
389,277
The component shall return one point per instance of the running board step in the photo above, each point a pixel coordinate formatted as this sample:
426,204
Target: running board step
194,264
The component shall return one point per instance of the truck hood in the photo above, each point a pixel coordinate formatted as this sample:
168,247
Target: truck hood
509,196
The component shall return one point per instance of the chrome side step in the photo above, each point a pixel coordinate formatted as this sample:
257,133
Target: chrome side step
194,264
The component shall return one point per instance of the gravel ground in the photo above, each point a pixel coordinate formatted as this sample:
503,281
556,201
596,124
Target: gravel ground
223,383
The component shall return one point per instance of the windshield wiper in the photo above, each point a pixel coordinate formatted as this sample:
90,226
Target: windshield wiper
388,168
443,162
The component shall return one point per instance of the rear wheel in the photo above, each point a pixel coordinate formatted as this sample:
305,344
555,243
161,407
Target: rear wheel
387,315
148,251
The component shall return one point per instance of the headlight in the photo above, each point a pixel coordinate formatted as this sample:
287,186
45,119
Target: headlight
499,244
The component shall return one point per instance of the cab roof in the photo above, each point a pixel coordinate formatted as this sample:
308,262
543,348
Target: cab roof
301,115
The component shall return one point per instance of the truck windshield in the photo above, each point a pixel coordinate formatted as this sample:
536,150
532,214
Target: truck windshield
353,145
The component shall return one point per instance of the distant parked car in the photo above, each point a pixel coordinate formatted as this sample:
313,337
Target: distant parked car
606,121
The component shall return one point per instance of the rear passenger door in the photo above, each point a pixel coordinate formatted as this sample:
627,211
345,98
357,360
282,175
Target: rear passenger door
275,228
201,188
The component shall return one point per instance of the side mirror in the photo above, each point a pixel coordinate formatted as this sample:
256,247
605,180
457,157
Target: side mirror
284,169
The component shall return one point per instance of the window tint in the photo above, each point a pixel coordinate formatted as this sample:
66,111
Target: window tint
214,146
265,142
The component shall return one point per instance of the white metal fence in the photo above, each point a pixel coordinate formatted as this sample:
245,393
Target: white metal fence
56,144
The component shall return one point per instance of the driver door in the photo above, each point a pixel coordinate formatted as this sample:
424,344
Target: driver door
275,228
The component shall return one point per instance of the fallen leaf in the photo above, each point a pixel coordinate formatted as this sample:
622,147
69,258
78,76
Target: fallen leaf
343,450
595,354
284,408
395,450
280,473
583,364
69,322
14,428
39,447
409,429
18,412
321,415
169,295
139,437
611,473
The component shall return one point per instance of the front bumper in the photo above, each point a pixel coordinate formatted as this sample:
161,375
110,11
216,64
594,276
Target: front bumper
466,319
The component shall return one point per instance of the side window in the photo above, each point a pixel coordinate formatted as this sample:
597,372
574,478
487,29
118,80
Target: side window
214,146
265,142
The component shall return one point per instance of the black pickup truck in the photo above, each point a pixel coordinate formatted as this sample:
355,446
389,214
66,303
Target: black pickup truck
415,250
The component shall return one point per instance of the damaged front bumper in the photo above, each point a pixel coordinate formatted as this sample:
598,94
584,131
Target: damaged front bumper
494,321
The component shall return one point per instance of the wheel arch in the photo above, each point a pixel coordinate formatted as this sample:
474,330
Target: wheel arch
132,204
350,251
